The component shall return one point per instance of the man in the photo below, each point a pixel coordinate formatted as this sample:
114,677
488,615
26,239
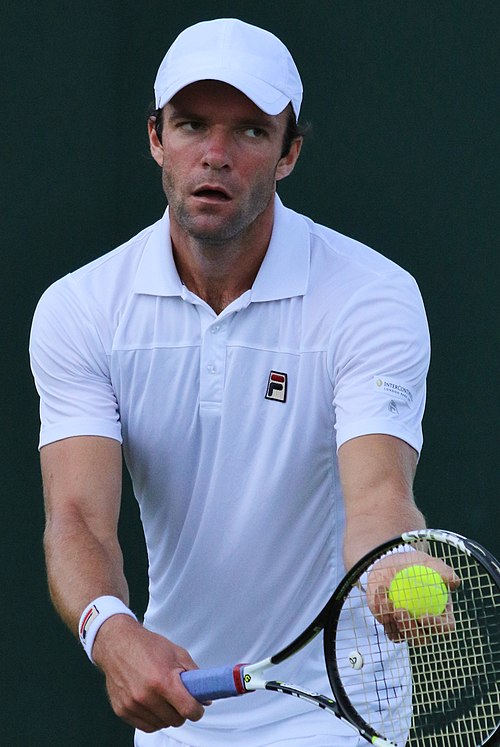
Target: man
264,377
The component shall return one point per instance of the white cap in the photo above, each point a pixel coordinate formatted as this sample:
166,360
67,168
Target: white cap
252,60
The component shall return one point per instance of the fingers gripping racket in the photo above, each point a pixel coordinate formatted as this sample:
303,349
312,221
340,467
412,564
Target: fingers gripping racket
441,688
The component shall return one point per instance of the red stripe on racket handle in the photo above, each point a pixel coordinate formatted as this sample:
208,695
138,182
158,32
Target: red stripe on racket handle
215,683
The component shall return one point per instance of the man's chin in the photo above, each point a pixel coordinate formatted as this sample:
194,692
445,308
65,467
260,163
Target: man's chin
219,224
210,230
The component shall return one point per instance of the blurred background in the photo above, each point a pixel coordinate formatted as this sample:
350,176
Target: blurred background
403,156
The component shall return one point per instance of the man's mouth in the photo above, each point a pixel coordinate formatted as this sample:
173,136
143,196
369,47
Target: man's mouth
213,194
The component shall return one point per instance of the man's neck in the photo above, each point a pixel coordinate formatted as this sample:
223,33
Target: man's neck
219,273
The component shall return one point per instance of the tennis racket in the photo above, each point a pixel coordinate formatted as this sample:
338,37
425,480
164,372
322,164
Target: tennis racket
438,684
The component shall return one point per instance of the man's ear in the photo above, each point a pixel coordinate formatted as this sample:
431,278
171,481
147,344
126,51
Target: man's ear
287,164
155,145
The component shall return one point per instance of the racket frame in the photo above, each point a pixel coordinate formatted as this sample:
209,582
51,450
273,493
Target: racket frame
250,677
332,609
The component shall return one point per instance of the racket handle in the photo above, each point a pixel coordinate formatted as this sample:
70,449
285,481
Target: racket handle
215,683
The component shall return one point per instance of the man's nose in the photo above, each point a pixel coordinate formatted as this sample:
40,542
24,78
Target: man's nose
218,150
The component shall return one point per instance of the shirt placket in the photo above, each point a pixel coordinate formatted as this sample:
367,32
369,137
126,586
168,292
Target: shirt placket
213,364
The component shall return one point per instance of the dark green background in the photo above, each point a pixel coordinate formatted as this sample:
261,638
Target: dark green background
403,101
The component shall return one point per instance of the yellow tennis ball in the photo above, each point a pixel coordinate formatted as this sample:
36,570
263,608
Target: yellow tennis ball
419,590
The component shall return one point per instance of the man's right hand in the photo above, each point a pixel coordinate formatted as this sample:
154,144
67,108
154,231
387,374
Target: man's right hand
142,671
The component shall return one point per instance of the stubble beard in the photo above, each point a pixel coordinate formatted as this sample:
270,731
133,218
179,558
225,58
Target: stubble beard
240,223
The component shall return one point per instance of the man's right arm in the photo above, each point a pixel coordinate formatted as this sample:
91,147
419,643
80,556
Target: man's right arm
82,489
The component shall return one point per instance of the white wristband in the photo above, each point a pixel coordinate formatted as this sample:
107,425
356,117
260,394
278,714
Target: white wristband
363,581
94,615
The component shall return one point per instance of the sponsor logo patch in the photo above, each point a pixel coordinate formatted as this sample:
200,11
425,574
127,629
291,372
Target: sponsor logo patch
395,390
277,386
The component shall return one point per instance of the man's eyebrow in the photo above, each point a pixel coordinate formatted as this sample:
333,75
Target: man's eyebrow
263,120
258,120
181,113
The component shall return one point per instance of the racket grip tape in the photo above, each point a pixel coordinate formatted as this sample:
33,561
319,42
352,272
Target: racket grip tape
214,683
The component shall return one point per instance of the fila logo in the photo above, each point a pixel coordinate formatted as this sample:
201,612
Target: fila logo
87,622
276,386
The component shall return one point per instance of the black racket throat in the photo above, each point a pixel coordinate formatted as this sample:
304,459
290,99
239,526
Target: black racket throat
302,640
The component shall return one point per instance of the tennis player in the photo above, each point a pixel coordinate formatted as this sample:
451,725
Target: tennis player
263,377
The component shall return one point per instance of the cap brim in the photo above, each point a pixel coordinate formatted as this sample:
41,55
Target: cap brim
263,95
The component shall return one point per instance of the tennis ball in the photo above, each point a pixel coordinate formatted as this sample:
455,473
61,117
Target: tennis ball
419,590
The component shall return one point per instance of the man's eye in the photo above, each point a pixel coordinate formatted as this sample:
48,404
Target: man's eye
190,126
255,132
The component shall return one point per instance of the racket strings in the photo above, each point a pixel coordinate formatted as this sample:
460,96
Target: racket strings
456,692
445,692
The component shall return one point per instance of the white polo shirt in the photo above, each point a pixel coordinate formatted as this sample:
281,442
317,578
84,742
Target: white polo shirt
230,426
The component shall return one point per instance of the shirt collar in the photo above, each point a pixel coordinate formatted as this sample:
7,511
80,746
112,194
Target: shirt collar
157,274
283,274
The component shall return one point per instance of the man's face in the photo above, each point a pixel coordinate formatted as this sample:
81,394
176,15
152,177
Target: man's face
220,157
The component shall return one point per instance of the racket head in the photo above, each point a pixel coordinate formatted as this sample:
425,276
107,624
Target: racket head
443,691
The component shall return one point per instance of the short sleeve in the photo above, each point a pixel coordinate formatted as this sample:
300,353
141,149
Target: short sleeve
70,365
379,357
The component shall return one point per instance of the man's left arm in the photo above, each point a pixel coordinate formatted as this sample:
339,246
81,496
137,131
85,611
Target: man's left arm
377,473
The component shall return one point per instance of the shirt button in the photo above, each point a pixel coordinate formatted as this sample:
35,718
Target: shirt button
215,329
211,368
